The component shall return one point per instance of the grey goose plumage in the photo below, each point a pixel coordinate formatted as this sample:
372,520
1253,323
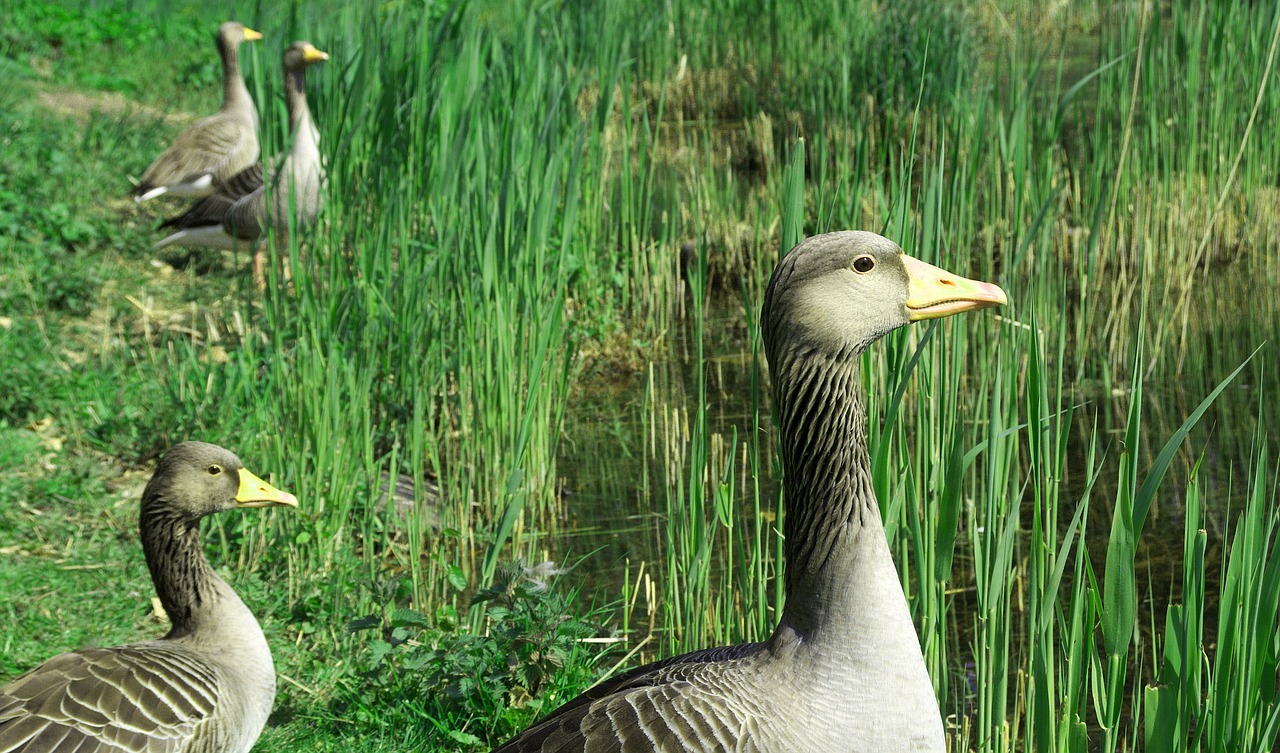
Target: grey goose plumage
208,685
843,670
236,214
215,148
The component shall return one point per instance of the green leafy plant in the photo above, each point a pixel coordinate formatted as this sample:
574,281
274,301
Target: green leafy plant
487,684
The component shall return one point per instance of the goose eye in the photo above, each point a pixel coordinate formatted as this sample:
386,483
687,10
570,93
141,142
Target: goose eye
864,264
214,470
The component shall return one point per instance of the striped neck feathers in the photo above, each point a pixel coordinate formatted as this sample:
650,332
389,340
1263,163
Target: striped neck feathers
186,584
296,99
235,96
827,475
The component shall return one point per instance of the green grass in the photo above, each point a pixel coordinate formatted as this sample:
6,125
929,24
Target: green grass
538,273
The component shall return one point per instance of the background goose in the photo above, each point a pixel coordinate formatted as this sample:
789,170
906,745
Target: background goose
843,670
236,214
215,148
206,686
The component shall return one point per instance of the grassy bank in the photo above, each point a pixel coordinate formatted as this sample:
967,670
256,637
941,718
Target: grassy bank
532,223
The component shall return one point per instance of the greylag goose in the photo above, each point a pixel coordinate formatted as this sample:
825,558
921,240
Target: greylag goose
237,214
843,670
207,685
215,148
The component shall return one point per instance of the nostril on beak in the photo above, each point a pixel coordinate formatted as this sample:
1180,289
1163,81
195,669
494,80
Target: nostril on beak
948,283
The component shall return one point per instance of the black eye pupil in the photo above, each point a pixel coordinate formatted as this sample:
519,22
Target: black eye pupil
864,263
214,470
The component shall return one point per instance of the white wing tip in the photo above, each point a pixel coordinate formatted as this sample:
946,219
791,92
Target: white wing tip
194,189
150,194
212,236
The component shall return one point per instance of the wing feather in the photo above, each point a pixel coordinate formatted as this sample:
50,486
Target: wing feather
142,698
247,217
219,146
214,208
671,705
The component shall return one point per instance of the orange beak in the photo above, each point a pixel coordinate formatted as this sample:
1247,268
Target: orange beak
935,293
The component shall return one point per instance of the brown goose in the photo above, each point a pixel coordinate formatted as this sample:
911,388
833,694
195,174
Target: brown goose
208,685
237,214
215,148
843,670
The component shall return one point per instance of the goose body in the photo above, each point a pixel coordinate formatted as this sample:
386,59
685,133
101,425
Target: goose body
215,148
236,215
208,685
843,670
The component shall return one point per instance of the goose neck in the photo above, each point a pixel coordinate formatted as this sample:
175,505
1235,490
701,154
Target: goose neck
234,93
296,98
832,516
188,588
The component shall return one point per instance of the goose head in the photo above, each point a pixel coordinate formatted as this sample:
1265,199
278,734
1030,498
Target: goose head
835,294
299,55
195,479
232,33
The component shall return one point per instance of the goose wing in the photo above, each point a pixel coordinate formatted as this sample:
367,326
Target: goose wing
211,149
141,698
213,209
246,220
678,704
